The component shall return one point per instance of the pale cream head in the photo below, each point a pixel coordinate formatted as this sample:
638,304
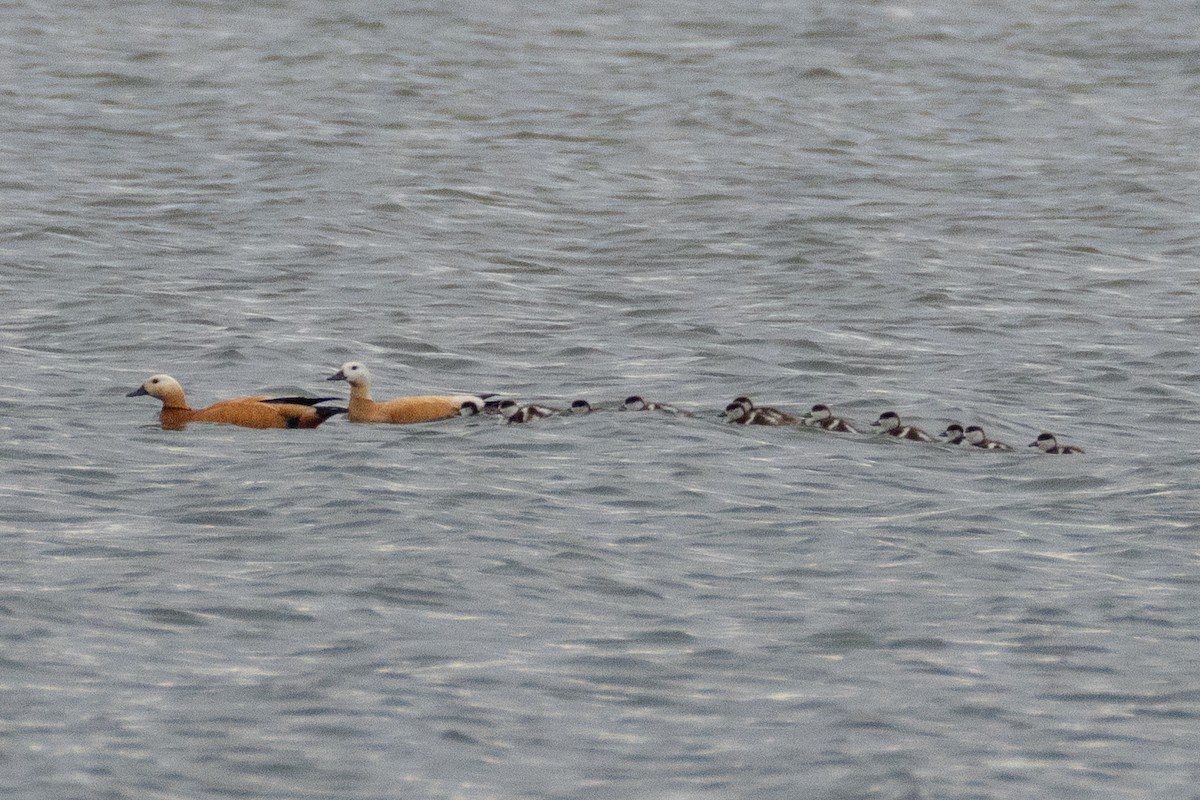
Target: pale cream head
353,372
159,386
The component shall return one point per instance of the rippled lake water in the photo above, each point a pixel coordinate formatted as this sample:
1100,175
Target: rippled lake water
982,213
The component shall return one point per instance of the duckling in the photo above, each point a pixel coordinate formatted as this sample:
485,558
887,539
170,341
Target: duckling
471,407
513,412
755,415
1048,443
954,434
889,423
821,417
636,403
977,438
738,414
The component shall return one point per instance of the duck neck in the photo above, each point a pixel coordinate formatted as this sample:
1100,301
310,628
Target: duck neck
174,399
360,396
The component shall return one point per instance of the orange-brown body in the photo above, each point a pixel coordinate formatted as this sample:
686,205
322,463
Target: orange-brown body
261,411
419,408
402,410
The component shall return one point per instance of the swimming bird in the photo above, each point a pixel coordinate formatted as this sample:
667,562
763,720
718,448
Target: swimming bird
743,401
636,403
260,411
742,411
889,423
580,407
482,403
737,413
402,410
514,412
954,434
471,407
491,403
821,417
977,438
1047,443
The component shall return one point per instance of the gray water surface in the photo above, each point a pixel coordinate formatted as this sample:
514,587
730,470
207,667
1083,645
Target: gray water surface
983,213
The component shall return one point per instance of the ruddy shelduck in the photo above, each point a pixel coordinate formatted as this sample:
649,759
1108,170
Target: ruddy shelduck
402,410
261,411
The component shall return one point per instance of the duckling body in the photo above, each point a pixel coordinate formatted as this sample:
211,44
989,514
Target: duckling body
820,416
515,413
889,424
977,438
637,403
1048,443
742,412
